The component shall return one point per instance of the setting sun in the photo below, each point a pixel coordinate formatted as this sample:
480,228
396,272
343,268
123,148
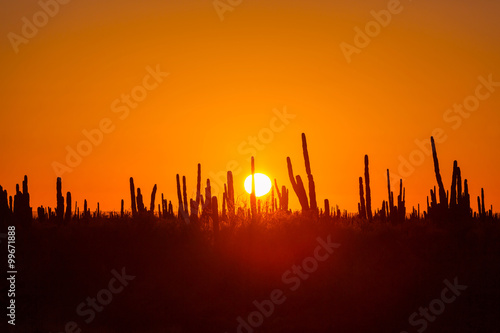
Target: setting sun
262,184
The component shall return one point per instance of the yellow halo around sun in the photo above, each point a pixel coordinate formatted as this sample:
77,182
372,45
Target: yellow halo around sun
263,184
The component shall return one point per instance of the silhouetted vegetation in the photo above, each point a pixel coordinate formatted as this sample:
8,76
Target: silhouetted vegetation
202,267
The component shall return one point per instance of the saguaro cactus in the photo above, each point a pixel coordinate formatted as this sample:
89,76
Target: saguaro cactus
153,197
368,191
67,218
453,191
297,186
85,211
198,192
140,201
208,203
60,201
483,211
230,194
401,202
312,187
184,194
390,197
132,197
443,201
215,216
179,197
361,208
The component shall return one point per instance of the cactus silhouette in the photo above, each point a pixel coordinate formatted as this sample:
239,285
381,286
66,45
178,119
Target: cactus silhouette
179,196
153,197
312,187
132,197
297,186
140,202
230,194
184,194
60,201
215,217
361,204
122,211
368,191
67,218
443,201
327,207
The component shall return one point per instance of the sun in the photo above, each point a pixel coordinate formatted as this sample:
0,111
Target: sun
262,184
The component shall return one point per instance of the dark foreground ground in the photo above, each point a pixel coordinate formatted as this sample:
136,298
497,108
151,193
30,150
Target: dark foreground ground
183,282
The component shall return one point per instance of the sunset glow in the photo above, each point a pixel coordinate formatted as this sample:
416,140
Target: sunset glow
263,184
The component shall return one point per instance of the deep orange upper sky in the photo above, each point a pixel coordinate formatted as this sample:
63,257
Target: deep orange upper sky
231,71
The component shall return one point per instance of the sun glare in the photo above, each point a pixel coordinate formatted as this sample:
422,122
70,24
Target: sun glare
262,184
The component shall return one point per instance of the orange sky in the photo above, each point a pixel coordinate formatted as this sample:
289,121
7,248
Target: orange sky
228,79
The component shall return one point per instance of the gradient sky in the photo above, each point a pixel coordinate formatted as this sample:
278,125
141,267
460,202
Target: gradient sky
228,78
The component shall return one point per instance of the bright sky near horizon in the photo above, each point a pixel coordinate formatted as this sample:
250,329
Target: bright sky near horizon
98,92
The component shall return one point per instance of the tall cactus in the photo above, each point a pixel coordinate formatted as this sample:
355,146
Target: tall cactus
198,185
85,211
368,191
153,197
361,207
401,202
280,207
184,194
179,197
67,217
467,198
207,205
215,217
297,186
230,194
453,191
60,201
391,211
483,211
284,197
312,187
132,197
443,201
140,201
